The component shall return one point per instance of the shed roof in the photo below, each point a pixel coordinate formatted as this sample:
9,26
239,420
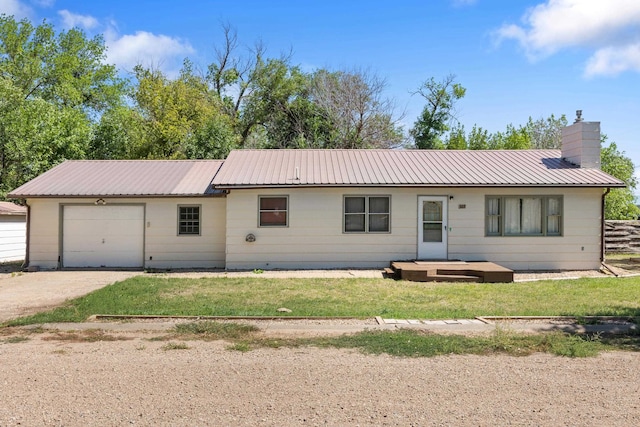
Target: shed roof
123,178
436,168
8,208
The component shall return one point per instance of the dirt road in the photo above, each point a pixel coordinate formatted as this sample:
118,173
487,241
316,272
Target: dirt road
137,382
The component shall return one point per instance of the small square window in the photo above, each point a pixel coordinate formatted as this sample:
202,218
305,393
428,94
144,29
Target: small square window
188,220
273,211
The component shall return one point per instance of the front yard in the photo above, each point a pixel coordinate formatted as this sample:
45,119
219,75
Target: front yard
362,298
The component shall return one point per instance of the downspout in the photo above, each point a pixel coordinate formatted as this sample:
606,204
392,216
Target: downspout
602,229
28,233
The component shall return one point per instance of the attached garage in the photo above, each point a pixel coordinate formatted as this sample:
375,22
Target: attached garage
103,236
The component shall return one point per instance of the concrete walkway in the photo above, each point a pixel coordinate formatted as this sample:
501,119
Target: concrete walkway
297,327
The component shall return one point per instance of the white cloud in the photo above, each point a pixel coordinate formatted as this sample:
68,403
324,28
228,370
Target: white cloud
15,8
462,3
71,20
607,26
614,60
44,3
148,49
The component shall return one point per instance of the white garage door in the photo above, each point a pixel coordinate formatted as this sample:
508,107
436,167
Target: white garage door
103,236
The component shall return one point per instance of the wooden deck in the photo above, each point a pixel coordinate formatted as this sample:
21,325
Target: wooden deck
450,271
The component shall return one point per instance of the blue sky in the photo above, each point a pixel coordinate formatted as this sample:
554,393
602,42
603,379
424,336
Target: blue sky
517,58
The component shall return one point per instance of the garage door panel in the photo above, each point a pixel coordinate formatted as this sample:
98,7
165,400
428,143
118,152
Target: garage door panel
103,236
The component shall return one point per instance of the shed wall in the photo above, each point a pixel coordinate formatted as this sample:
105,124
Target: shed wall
12,238
314,236
163,247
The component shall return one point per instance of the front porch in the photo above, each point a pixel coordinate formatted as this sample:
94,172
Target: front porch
450,271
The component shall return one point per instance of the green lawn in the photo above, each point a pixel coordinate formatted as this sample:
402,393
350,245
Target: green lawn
256,296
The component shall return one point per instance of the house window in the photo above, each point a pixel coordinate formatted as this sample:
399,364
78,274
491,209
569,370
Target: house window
189,220
523,216
273,211
367,214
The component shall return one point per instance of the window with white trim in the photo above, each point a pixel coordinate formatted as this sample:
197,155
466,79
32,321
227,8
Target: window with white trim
189,220
523,216
367,214
273,211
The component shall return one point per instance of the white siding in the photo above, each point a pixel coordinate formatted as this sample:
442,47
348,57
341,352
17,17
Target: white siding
577,248
163,247
12,238
314,237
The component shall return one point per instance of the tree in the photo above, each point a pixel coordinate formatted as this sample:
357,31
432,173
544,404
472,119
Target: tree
120,134
181,118
546,133
478,138
36,135
514,138
456,140
52,85
66,69
439,113
352,102
620,202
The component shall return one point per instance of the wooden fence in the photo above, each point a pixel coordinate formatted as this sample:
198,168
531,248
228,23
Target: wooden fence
622,236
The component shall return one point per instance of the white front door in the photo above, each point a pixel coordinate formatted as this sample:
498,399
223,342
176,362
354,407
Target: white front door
432,227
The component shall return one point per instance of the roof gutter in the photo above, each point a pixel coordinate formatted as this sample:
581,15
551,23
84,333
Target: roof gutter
483,185
602,228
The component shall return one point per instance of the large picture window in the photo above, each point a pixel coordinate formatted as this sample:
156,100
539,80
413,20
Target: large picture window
523,216
273,211
367,214
189,220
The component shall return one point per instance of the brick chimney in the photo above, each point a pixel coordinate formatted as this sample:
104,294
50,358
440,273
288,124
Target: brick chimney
581,143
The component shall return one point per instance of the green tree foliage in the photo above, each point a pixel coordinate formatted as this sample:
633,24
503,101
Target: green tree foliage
65,69
178,118
514,138
478,139
51,86
546,133
619,203
438,113
35,135
456,139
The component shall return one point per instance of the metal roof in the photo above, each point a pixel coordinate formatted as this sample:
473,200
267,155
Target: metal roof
8,208
123,178
436,168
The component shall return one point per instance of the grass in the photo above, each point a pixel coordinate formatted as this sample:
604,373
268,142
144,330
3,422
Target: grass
403,342
175,346
363,298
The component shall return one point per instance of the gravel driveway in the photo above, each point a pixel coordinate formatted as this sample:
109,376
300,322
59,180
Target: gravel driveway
137,382
27,293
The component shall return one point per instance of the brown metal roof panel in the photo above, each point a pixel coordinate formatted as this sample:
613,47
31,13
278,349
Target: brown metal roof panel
405,167
78,178
11,209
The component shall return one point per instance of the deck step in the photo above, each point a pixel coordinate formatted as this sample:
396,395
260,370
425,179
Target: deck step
454,271
390,272
453,278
